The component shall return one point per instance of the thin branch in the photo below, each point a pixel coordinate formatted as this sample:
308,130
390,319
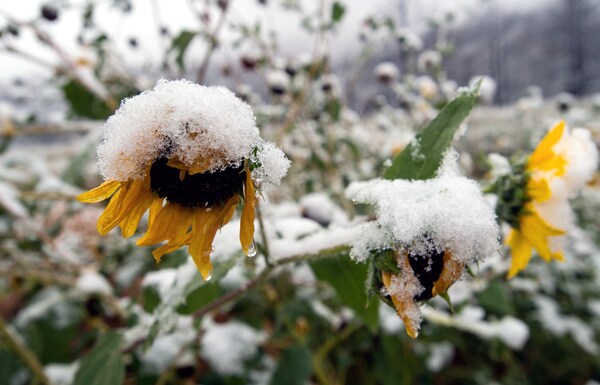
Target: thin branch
212,44
27,356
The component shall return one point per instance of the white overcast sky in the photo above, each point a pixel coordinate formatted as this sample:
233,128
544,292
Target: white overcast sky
176,15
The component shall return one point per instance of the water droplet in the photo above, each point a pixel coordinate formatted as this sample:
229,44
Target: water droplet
251,250
208,277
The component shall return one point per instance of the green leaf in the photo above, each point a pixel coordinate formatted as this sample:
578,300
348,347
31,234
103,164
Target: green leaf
199,297
294,367
348,279
495,299
337,12
423,156
180,45
104,364
83,103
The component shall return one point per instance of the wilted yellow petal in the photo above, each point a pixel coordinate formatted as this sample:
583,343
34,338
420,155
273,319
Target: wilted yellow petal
247,220
404,306
520,250
129,223
121,204
168,222
451,272
100,193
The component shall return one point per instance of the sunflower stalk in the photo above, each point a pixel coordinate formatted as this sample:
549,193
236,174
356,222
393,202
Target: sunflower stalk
25,355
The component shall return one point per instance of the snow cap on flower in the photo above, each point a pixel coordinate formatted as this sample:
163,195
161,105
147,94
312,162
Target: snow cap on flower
449,209
183,120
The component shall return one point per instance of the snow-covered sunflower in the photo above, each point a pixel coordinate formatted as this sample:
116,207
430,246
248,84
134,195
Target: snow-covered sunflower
533,197
425,233
189,154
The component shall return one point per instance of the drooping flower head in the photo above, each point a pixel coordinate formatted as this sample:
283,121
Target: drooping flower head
533,198
425,233
188,154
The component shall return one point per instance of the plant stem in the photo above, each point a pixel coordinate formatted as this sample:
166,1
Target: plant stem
27,356
263,235
217,303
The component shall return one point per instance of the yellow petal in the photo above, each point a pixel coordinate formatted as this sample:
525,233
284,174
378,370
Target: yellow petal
544,149
539,189
537,231
168,222
121,204
451,272
170,246
247,220
520,251
131,220
403,306
204,229
100,193
544,158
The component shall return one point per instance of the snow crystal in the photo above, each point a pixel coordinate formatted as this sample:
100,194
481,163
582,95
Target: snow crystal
227,346
91,282
184,120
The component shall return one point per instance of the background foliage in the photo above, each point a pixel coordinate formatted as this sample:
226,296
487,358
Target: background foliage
76,308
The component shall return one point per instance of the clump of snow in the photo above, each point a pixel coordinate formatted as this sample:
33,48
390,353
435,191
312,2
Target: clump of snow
92,282
500,166
61,374
228,346
556,323
278,81
386,72
184,120
429,61
408,39
320,208
168,348
447,213
273,164
513,332
441,355
487,89
427,87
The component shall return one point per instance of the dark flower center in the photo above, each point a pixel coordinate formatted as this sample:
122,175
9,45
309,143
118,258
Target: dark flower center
208,189
427,269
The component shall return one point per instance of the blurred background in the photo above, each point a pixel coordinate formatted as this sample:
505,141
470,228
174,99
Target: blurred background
342,86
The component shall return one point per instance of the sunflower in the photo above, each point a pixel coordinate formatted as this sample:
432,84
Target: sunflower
425,233
189,155
555,172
